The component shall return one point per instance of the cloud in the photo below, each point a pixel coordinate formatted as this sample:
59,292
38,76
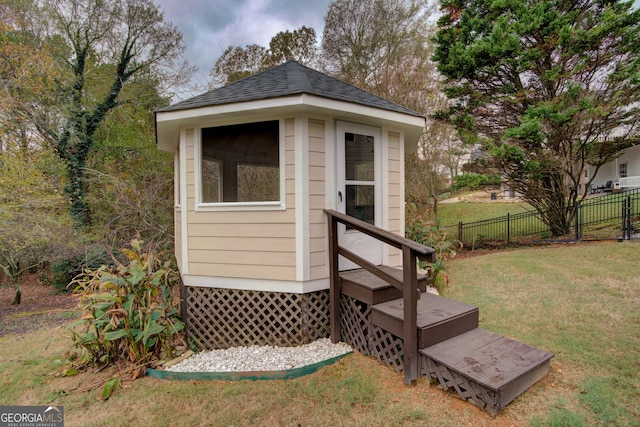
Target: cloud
209,27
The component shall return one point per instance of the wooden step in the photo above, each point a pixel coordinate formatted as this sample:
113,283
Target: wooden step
485,368
370,289
439,318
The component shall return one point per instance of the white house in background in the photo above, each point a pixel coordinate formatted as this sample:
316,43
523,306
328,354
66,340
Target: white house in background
622,172
256,164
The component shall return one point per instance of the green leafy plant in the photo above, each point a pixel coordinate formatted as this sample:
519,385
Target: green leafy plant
471,181
431,233
65,269
131,315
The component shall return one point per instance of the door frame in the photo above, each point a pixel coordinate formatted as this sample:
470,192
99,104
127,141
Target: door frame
363,245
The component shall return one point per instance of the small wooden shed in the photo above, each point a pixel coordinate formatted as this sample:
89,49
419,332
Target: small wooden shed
256,163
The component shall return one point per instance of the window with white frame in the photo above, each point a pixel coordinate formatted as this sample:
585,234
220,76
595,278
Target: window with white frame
241,163
622,170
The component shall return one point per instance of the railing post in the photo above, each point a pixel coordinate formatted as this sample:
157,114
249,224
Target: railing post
460,231
508,228
334,280
410,332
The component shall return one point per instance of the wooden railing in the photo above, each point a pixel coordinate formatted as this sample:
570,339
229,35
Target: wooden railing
411,252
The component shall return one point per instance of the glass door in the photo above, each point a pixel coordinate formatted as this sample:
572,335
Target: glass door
359,194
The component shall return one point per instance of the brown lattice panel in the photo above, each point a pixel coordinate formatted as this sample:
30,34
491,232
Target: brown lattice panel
355,323
387,348
359,332
315,316
223,318
465,388
485,368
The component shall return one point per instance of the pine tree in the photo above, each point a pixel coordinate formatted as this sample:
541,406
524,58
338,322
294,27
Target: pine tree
546,86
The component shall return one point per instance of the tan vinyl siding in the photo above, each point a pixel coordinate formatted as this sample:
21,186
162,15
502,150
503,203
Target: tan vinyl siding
317,200
244,244
395,197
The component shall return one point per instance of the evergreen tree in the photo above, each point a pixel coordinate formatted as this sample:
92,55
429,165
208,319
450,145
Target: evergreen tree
546,86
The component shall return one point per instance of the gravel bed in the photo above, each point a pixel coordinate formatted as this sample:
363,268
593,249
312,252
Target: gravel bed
261,358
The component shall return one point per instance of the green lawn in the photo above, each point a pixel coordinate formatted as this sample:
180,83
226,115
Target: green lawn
600,214
579,301
452,213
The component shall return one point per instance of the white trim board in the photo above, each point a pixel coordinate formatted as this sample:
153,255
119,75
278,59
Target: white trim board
262,285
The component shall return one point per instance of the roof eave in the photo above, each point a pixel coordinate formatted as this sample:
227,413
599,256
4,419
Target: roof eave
169,123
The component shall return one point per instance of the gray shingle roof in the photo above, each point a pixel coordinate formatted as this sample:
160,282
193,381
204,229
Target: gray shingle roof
288,79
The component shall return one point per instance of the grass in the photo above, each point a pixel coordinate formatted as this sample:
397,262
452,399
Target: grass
600,214
578,301
452,213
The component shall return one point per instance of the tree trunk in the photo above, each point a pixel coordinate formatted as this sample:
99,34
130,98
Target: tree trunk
17,298
75,189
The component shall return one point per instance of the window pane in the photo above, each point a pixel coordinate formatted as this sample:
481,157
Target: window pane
211,181
358,157
258,183
622,168
361,202
248,163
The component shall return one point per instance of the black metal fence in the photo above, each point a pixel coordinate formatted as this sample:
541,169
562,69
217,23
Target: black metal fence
609,216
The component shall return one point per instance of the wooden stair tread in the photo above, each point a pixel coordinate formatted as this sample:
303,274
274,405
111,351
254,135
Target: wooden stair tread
438,318
370,289
489,359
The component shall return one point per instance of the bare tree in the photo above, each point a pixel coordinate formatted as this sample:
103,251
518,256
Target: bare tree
238,62
383,46
33,226
299,45
100,46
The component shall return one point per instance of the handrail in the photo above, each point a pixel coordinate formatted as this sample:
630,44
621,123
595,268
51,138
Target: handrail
423,252
411,252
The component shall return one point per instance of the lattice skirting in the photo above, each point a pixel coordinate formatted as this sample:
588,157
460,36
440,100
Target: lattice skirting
466,388
359,332
223,318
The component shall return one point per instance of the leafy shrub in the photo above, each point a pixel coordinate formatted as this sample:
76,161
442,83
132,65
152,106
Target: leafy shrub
131,316
64,270
432,234
472,181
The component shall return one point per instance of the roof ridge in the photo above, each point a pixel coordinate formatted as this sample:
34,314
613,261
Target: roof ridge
297,78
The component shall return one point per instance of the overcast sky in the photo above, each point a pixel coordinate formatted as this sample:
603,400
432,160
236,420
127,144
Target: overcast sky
210,26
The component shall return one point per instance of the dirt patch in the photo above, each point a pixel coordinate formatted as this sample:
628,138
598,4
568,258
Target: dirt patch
484,196
41,307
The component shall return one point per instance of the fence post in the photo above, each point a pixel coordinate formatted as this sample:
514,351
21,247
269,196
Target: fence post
626,218
629,217
460,231
577,221
508,227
